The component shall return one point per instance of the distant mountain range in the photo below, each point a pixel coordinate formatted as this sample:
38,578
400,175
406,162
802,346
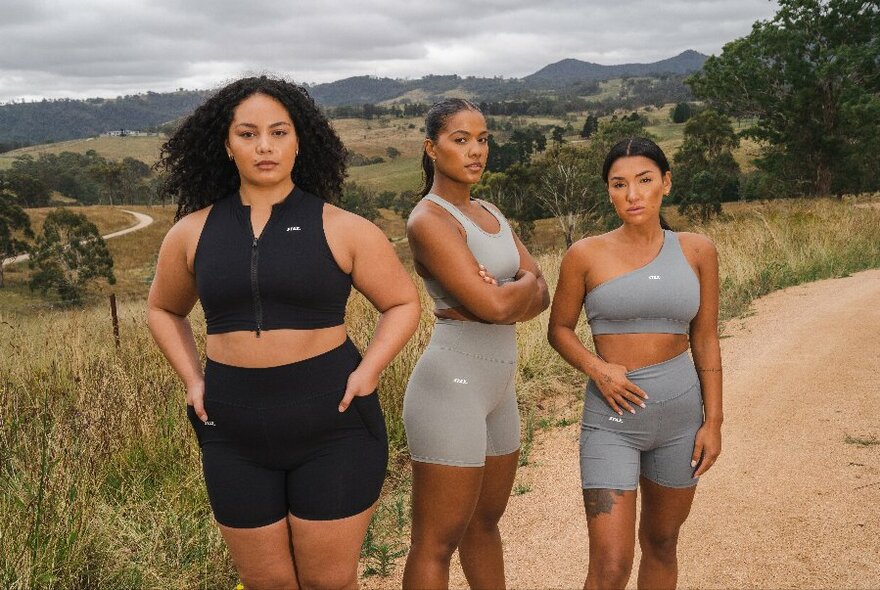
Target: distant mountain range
555,77
56,120
569,71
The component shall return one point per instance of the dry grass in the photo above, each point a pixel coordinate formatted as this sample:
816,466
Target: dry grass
134,257
100,483
145,149
108,219
372,137
401,174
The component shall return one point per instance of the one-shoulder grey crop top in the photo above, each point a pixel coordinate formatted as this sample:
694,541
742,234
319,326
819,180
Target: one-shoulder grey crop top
661,297
497,252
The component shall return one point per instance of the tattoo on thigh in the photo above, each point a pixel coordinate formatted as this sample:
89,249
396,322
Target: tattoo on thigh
599,501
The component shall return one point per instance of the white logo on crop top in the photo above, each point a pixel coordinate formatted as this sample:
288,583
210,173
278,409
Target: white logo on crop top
293,228
460,381
654,277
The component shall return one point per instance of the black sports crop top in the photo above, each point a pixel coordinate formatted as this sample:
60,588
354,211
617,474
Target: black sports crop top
286,278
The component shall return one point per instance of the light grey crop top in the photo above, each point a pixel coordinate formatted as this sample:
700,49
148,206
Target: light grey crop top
497,252
661,297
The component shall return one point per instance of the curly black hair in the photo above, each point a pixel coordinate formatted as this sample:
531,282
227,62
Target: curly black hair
199,171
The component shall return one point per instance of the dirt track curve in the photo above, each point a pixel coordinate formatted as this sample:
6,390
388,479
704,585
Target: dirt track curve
142,219
794,501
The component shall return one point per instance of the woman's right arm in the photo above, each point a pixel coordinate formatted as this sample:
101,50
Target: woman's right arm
442,250
172,296
611,379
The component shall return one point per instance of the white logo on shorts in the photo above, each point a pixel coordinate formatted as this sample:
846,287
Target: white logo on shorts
460,381
615,419
293,228
210,423
654,277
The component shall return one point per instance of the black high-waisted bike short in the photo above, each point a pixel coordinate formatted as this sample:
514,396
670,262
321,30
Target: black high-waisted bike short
275,441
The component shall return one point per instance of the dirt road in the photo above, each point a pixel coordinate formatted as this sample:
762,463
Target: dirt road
142,219
793,501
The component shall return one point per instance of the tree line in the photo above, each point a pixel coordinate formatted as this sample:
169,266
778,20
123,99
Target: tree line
89,178
578,97
60,119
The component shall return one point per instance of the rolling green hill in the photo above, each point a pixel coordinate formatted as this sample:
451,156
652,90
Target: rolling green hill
67,119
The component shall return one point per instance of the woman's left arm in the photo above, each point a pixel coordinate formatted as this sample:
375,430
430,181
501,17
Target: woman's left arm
541,297
706,351
378,274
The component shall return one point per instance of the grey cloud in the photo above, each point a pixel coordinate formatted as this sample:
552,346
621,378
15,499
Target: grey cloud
93,47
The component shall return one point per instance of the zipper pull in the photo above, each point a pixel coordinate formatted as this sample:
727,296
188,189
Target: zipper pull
258,331
255,243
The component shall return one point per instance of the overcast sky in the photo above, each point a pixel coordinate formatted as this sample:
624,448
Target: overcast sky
86,48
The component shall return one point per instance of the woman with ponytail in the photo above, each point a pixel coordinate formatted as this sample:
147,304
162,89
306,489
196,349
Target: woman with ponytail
652,413
460,410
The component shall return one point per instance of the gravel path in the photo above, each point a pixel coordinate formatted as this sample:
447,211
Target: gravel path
793,500
143,221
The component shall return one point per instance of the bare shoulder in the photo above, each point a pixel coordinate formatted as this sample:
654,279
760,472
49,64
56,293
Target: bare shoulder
699,246
186,231
582,254
346,225
590,247
428,218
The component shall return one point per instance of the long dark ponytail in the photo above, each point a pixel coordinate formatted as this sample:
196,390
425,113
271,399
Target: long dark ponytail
434,122
637,146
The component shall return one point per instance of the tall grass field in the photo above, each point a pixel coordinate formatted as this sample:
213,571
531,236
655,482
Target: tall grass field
100,478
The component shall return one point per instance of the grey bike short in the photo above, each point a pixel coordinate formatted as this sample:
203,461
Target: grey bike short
460,403
656,442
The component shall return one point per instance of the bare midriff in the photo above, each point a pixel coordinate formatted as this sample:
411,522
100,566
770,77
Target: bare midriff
639,350
457,313
274,347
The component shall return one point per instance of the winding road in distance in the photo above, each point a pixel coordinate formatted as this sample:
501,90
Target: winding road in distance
143,221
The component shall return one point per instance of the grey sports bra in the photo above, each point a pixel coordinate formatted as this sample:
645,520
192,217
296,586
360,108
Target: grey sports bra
661,297
497,252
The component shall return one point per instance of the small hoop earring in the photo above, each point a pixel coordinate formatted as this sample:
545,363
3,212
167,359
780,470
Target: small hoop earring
231,157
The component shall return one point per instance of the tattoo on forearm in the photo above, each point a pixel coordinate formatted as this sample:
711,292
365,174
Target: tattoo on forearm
599,501
708,370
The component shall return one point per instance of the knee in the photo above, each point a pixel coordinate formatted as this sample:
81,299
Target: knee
660,545
484,523
269,581
613,570
438,549
328,579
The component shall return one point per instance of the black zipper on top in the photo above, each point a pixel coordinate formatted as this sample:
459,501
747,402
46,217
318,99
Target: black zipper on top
255,284
255,258
255,280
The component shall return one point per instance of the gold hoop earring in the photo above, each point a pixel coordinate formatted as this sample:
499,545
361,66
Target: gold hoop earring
231,157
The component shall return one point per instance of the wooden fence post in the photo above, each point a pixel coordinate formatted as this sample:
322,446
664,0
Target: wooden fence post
115,319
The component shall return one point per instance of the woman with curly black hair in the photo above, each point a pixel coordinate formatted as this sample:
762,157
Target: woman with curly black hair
292,471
